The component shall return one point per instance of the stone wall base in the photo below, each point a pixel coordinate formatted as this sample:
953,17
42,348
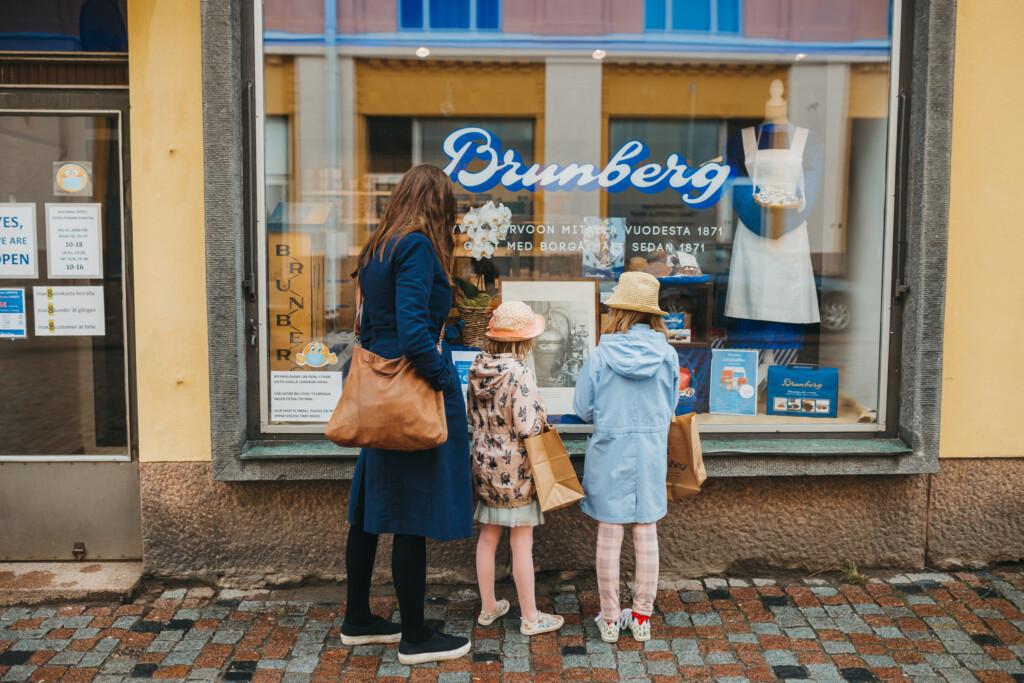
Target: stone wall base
280,533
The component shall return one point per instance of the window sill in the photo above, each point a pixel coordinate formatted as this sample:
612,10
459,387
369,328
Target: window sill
307,459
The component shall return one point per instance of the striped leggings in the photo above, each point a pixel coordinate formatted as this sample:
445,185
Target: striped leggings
609,548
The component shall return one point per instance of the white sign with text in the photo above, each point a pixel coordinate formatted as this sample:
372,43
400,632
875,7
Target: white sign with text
68,311
303,396
74,241
18,241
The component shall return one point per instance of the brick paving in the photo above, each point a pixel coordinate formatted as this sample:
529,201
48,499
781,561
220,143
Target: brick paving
919,627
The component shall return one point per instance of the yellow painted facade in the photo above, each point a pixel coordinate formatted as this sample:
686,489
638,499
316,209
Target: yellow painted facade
168,230
983,356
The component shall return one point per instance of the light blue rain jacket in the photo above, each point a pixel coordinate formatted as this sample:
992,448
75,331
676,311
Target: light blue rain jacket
628,388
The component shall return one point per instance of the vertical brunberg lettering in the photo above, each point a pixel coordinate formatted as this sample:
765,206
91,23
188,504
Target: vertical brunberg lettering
293,267
698,187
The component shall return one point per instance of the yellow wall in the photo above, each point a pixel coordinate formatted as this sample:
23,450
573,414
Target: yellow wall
983,365
168,229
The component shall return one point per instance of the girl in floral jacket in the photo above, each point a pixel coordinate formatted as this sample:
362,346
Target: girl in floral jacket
505,408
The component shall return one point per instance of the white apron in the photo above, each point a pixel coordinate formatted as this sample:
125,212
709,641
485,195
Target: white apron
772,279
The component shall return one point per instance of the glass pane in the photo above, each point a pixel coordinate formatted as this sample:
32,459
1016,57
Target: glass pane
411,13
751,183
654,15
62,351
487,14
64,26
691,15
446,14
728,16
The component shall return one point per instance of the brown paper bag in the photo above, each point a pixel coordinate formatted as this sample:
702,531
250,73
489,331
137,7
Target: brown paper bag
553,473
686,470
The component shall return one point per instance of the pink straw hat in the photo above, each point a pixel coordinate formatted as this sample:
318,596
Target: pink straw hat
514,321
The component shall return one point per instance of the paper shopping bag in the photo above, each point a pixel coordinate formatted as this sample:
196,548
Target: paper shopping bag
686,471
553,473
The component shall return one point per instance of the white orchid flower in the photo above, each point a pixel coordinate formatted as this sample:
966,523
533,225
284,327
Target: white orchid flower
482,250
489,215
470,220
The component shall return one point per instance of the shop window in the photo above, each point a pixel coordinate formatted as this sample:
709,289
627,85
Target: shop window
447,15
64,26
718,16
754,186
62,294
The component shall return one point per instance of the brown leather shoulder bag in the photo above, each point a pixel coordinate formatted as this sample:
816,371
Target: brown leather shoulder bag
385,403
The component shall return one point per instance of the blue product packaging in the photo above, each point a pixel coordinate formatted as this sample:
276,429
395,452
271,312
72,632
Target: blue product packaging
803,390
694,371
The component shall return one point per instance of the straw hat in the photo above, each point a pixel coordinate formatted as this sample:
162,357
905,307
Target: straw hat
514,321
637,292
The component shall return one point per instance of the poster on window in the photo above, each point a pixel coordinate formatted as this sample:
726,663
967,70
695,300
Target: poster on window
12,314
463,362
569,308
73,241
304,396
18,241
68,311
734,382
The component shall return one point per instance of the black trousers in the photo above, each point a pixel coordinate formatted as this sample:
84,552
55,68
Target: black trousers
408,571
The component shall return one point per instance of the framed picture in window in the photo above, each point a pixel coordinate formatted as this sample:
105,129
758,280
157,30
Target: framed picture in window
570,310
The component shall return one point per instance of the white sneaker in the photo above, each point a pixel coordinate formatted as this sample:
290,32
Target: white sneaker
500,609
609,632
545,623
641,632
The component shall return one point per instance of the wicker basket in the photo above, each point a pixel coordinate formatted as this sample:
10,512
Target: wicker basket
476,319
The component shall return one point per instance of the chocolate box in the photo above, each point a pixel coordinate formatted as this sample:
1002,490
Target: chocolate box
802,390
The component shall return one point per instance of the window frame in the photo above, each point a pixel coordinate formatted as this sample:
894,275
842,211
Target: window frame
473,27
887,407
921,126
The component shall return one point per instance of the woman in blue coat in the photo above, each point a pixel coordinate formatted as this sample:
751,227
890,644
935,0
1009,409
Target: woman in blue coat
405,280
628,388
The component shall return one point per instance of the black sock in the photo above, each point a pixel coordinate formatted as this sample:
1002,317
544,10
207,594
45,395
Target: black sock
409,571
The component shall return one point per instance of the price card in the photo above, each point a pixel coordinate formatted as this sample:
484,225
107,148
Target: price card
74,241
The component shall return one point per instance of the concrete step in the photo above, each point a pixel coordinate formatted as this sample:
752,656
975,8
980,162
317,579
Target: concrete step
35,583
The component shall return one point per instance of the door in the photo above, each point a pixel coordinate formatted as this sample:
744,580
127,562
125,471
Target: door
69,485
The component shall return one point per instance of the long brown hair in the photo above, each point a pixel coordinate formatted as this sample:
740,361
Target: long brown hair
620,320
519,349
423,202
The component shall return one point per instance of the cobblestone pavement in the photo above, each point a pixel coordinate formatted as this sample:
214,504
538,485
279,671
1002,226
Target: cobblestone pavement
921,627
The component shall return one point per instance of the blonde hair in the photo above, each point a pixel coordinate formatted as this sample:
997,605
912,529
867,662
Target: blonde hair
519,349
620,320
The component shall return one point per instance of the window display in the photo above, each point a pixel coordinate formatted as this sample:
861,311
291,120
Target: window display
737,152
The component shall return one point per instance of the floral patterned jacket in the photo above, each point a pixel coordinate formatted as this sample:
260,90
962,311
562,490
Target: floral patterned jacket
504,408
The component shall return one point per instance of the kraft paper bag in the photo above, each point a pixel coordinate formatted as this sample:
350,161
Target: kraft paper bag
686,471
553,473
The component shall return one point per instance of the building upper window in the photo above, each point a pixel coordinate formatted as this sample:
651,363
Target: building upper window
448,15
713,16
63,26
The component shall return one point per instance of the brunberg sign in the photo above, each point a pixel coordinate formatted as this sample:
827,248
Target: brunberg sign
698,187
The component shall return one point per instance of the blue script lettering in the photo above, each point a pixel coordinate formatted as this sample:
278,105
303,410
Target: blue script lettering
697,187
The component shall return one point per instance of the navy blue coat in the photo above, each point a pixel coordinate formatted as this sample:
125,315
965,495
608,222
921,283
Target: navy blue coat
406,298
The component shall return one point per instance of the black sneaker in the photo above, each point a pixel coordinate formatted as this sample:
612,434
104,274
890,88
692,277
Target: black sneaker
438,647
379,630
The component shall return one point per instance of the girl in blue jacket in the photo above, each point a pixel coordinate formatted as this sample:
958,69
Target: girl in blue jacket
628,388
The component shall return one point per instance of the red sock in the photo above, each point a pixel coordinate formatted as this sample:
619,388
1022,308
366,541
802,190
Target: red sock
641,618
